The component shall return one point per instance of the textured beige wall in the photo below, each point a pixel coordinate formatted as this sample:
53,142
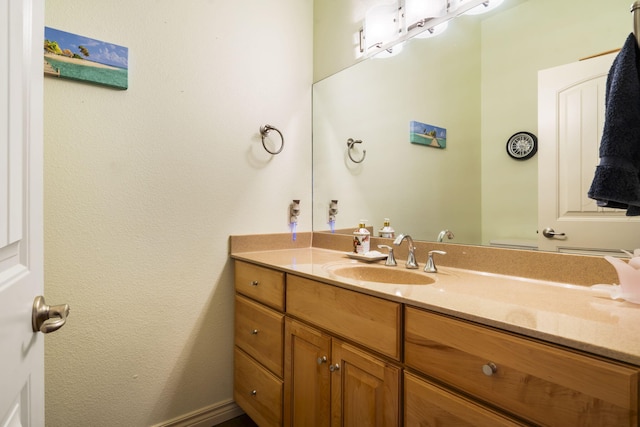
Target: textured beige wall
144,186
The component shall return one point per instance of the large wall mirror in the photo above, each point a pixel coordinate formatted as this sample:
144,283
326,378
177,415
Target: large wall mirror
477,80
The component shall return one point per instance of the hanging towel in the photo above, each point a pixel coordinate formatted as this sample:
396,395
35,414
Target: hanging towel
616,183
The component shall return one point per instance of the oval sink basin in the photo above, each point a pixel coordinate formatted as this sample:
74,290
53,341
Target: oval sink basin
396,276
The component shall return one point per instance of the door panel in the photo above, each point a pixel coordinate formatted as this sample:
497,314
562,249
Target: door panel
571,107
21,259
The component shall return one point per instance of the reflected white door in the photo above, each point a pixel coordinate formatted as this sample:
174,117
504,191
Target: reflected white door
21,259
571,106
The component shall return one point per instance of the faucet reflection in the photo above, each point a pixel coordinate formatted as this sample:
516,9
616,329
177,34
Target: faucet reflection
411,258
444,233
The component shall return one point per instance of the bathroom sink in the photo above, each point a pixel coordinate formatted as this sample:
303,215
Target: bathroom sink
381,274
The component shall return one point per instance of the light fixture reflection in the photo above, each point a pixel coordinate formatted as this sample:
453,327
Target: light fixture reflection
381,26
433,31
388,53
419,10
485,7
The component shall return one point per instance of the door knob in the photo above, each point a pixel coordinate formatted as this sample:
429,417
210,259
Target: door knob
550,233
47,318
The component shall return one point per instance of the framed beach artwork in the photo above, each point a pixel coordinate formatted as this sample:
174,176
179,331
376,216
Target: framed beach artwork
75,57
429,135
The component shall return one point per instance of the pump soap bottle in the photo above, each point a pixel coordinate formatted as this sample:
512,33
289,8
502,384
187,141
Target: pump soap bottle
361,235
387,231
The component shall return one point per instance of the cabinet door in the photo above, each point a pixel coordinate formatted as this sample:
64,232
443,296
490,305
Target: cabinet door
307,390
364,389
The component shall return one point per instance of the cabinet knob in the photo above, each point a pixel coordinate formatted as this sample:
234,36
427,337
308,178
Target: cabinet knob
254,332
322,360
489,368
254,392
335,367
254,283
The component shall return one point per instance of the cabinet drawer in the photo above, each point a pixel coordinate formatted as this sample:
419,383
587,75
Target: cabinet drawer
258,331
260,283
370,321
542,383
428,404
257,391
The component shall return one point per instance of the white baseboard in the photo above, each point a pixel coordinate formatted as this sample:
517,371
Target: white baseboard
208,416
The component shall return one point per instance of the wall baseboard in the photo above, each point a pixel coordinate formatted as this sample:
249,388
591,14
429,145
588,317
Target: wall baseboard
208,416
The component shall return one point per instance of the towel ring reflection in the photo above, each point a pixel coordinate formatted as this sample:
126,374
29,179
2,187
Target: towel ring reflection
264,131
350,143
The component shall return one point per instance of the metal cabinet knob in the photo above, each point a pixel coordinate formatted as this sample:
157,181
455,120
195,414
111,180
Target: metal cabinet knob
489,368
254,332
335,367
254,392
322,360
45,318
254,283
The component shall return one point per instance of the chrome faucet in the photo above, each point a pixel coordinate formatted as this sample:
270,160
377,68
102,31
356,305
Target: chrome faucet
431,265
391,260
444,233
411,258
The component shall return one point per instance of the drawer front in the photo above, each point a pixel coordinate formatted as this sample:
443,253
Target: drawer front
260,283
539,382
370,321
428,404
257,391
259,332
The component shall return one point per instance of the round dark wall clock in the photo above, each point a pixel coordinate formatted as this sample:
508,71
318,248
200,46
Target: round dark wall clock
522,145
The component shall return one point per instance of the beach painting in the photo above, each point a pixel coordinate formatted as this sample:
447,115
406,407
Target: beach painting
429,135
71,56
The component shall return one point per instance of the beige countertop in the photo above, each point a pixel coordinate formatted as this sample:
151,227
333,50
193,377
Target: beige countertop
569,315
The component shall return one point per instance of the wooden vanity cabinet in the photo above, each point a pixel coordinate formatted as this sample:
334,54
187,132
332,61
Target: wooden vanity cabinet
540,383
258,334
372,322
337,357
329,382
325,374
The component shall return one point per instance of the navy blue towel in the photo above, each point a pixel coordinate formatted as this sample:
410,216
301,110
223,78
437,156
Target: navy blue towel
616,183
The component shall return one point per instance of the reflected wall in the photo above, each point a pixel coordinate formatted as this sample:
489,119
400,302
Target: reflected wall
479,81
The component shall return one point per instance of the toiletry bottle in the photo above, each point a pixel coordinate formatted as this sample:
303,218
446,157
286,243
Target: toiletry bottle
386,230
361,235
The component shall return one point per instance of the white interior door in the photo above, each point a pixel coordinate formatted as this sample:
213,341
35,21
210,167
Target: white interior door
571,106
21,259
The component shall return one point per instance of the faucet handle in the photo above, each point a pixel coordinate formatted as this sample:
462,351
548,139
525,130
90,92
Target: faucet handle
391,260
431,265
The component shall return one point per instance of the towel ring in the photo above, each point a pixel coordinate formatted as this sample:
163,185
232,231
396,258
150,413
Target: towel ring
264,131
350,143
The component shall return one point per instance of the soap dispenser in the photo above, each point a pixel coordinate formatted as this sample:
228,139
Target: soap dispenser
387,231
361,239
